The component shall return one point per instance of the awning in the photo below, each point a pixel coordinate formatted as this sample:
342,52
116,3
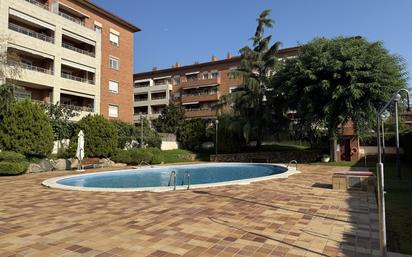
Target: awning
78,66
164,77
190,103
67,92
31,19
29,50
78,37
192,73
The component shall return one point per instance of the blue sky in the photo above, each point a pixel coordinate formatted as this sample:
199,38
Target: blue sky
187,30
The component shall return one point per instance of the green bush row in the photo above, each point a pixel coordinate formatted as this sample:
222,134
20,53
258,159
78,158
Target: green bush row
8,168
9,156
137,155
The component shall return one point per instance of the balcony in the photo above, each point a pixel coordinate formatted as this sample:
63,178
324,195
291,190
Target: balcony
201,83
76,74
200,97
73,48
40,4
77,103
30,33
200,113
75,78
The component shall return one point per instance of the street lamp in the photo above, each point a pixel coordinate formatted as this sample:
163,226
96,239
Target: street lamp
384,117
141,130
380,169
217,129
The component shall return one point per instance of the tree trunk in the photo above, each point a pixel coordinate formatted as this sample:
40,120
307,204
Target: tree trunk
333,145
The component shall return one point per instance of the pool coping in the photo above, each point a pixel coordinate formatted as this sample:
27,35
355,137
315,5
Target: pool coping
52,182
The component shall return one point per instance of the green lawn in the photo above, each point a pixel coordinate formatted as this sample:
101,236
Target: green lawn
398,199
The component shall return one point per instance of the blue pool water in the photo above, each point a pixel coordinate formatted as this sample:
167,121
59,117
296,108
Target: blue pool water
159,176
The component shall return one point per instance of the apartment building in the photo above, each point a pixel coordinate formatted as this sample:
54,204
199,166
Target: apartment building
72,52
197,87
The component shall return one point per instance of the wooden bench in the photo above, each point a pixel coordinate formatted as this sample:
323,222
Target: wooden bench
354,180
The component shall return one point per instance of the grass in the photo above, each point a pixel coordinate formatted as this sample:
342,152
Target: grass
398,198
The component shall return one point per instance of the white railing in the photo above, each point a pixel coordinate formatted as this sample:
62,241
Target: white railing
30,33
31,67
37,3
79,108
71,18
73,48
71,77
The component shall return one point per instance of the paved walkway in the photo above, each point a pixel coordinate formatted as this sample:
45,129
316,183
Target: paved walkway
298,216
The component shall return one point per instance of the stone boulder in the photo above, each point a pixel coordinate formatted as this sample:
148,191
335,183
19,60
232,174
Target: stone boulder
46,165
34,168
61,164
74,164
106,162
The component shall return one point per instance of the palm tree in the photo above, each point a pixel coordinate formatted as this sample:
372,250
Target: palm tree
258,64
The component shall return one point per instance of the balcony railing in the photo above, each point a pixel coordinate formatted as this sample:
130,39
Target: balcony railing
79,108
71,77
141,85
158,97
30,33
31,67
71,18
140,99
37,3
200,93
73,48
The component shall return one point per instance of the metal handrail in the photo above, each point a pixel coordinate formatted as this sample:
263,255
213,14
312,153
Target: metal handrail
71,18
31,67
30,33
143,162
79,108
73,48
187,174
71,77
44,6
172,174
293,162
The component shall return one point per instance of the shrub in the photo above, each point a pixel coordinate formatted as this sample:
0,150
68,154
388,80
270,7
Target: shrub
100,137
193,133
26,130
13,168
138,155
9,156
124,133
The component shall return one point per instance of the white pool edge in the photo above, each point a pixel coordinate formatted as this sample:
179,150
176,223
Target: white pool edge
52,182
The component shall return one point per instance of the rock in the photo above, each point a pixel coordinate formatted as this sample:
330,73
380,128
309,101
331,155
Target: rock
61,164
119,164
46,165
74,164
106,162
34,168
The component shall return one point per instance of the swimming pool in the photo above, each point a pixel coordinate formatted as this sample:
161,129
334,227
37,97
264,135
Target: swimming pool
162,178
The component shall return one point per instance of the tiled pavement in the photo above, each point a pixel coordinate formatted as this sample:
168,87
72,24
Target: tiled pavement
298,216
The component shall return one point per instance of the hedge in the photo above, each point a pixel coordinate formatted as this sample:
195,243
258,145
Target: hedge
9,156
26,129
138,155
13,168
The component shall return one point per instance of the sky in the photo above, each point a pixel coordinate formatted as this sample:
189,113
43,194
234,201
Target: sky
188,31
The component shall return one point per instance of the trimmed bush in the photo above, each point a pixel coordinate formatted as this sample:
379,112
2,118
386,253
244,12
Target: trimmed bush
138,155
27,130
193,133
100,137
13,168
9,156
124,132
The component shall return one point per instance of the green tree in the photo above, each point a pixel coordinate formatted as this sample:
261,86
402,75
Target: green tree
60,116
170,120
193,133
125,132
258,64
26,129
334,80
150,137
100,136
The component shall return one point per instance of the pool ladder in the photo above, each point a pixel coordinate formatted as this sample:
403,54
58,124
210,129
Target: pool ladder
293,162
173,177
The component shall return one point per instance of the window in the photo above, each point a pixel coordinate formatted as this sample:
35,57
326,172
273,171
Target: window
113,111
98,29
215,74
114,63
114,39
205,75
176,80
113,86
230,73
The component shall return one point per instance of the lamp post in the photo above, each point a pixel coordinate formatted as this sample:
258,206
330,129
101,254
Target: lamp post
384,117
398,161
217,131
141,130
380,171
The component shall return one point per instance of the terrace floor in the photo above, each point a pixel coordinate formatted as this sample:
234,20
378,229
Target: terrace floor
297,216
